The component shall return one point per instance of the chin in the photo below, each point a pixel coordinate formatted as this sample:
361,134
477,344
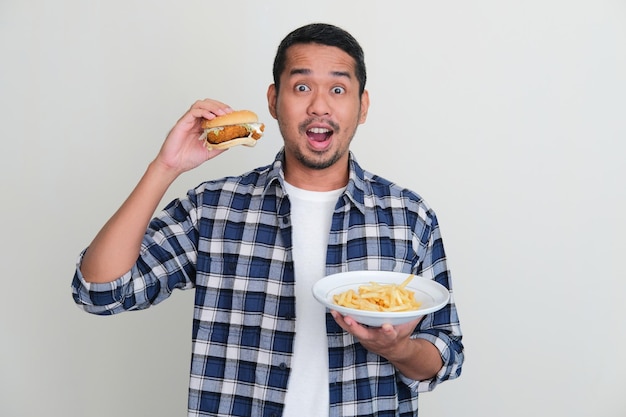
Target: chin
319,160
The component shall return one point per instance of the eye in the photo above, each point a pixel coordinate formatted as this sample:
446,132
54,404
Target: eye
302,88
338,90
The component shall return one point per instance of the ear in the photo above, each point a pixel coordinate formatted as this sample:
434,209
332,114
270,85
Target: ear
271,99
365,105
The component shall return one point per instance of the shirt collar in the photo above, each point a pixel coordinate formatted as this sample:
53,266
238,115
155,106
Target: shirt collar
355,192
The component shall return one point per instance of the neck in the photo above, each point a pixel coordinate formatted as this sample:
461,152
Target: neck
327,179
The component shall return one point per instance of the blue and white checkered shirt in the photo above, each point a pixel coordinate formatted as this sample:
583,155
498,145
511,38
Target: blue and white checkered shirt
230,239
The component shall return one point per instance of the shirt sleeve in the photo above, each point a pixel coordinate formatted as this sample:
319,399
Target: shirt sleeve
166,262
441,328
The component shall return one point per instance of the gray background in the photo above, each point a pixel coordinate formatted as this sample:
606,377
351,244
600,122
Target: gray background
508,117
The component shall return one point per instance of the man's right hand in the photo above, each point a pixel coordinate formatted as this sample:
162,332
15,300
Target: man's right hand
116,247
182,151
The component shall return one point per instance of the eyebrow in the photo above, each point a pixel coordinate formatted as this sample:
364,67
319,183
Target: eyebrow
306,71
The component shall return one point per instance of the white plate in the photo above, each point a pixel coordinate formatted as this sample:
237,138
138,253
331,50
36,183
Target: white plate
432,295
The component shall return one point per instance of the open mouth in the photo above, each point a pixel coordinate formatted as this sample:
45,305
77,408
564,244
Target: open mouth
319,134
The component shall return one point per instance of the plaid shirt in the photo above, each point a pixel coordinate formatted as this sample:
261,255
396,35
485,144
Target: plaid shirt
230,239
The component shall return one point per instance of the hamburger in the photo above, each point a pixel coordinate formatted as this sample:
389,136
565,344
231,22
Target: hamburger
241,127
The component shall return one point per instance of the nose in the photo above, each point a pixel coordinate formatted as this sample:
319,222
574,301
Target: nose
319,105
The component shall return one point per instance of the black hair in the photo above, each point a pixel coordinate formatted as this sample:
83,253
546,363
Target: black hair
323,34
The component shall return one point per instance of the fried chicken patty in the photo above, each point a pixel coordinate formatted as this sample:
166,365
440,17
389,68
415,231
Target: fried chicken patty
226,133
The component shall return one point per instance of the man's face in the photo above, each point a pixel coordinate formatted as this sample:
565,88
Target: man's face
318,107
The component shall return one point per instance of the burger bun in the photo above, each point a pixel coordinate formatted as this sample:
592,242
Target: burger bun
240,127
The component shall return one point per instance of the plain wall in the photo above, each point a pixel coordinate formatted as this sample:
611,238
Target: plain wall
508,117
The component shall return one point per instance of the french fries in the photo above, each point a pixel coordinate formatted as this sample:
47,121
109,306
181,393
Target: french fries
379,297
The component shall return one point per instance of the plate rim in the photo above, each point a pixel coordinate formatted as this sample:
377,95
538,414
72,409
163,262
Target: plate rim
322,297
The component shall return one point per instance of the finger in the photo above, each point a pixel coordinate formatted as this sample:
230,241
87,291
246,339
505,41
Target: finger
209,109
387,327
388,330
341,320
352,326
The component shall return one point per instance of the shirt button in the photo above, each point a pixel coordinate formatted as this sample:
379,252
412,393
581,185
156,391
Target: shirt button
282,366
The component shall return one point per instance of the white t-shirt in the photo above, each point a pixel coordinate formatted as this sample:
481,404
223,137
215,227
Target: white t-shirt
311,215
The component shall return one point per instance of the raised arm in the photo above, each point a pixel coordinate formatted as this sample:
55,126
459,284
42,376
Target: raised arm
116,247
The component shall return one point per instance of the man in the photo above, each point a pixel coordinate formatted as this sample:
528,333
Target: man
253,245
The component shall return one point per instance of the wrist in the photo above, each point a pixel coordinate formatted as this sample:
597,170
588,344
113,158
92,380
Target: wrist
402,351
417,359
162,171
